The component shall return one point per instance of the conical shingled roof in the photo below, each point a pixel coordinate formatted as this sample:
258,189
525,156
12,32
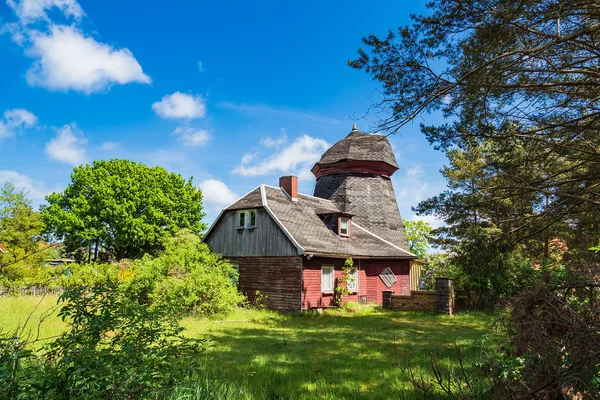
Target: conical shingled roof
359,146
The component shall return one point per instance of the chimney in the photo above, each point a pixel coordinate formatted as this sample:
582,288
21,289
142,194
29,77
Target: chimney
290,185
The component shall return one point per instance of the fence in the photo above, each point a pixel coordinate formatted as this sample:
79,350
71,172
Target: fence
30,290
440,300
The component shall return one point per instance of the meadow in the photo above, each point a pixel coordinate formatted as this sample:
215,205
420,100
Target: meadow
352,353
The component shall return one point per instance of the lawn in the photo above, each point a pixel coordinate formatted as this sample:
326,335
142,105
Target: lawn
339,354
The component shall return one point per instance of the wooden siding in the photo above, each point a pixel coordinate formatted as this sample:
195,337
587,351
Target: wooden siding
415,274
375,285
277,278
369,283
266,240
311,282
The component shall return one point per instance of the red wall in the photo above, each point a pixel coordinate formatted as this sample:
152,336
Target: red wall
369,283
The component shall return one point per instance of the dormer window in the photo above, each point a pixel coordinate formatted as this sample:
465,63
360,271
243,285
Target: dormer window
345,227
245,219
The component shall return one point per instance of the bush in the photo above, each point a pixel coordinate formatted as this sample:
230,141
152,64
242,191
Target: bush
554,346
188,276
65,275
13,353
115,348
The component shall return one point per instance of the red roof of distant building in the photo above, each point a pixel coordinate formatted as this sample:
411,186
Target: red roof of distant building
2,249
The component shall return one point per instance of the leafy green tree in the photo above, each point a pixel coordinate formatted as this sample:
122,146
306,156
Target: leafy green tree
418,234
186,275
123,209
519,77
21,233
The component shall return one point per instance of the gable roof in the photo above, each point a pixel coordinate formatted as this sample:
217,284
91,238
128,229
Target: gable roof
300,221
2,249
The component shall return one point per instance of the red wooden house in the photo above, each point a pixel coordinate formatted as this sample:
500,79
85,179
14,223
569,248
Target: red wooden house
291,247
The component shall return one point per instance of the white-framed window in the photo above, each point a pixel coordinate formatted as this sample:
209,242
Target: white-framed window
344,226
353,281
245,219
327,278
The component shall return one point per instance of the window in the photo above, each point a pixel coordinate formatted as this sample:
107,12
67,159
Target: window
327,278
353,284
344,227
245,219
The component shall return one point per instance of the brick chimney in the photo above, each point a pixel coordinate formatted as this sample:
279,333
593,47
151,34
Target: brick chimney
290,185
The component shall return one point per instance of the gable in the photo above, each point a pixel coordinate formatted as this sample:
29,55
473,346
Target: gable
266,239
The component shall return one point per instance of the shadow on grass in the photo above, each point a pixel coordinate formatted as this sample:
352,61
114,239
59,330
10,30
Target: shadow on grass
340,356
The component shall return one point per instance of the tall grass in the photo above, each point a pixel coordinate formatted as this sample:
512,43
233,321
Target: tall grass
350,353
209,387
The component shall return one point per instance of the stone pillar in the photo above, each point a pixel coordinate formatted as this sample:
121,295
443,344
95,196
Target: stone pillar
387,299
444,295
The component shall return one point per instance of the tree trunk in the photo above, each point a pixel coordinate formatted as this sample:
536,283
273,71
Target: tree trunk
96,250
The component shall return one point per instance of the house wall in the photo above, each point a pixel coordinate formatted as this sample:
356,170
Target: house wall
375,285
370,286
265,240
277,278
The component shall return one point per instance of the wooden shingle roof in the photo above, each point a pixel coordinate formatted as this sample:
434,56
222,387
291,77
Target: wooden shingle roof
300,219
359,146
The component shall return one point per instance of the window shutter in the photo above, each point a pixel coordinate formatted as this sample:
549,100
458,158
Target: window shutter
388,277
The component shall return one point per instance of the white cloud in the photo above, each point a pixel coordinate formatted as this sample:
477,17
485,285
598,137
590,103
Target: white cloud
16,118
180,105
4,131
15,31
277,142
216,193
35,190
192,137
411,191
65,59
415,171
69,146
109,146
411,187
296,157
32,10
246,158
431,219
200,67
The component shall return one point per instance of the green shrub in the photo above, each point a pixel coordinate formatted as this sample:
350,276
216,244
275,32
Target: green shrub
13,353
187,275
116,348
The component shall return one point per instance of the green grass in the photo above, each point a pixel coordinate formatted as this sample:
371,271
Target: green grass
340,354
34,316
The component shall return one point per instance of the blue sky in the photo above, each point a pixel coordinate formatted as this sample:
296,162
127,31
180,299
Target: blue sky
234,93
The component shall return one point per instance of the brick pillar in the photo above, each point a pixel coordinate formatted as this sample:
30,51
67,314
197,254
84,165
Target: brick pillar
387,299
444,295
